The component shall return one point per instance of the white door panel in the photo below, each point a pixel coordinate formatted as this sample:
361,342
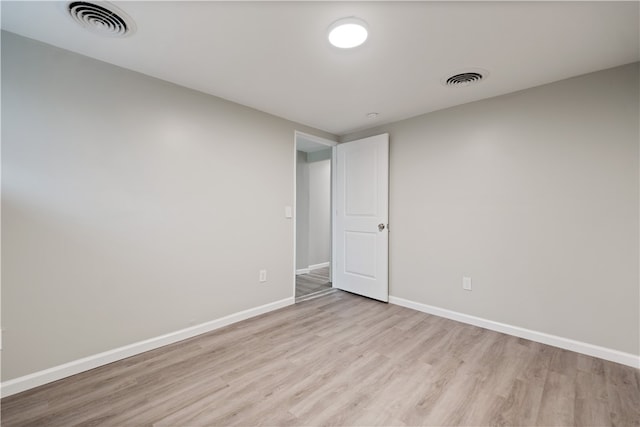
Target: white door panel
360,172
363,244
361,205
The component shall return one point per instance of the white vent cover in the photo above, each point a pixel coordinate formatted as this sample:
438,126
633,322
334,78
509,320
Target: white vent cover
101,18
465,78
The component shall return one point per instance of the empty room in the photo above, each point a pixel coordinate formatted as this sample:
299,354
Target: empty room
321,213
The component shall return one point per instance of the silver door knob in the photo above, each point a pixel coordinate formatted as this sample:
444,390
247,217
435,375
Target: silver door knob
380,227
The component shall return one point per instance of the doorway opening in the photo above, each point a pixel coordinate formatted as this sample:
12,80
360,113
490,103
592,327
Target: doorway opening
313,219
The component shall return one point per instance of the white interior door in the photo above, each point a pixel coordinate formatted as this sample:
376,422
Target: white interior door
361,238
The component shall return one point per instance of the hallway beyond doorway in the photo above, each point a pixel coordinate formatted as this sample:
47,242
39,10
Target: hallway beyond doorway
314,283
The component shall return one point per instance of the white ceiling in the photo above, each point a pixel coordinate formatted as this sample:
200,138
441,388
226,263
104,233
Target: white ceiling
274,56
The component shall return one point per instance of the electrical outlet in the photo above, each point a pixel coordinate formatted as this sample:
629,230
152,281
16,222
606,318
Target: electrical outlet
466,283
262,276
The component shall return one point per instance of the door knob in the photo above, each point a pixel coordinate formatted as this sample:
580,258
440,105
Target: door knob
380,227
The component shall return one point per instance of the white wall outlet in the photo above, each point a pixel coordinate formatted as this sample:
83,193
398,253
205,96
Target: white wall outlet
263,276
466,283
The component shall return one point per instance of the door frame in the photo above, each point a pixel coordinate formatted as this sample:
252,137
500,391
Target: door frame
330,144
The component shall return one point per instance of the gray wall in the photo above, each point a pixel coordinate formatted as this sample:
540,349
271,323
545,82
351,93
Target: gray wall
131,207
313,208
319,211
535,196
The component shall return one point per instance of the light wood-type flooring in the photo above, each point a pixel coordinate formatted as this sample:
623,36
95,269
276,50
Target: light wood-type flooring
314,282
341,360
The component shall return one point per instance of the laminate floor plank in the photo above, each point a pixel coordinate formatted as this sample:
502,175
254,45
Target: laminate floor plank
535,371
591,407
339,360
519,407
558,401
623,392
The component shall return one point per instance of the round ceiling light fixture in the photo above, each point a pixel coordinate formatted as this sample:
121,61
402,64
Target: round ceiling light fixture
347,33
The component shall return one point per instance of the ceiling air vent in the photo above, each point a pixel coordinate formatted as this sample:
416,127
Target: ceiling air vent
466,78
101,18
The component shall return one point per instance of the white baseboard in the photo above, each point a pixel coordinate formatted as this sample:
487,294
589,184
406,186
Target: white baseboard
541,337
36,379
317,266
311,268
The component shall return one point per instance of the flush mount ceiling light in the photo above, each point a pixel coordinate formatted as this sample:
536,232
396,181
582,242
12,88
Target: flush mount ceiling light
372,115
101,18
347,33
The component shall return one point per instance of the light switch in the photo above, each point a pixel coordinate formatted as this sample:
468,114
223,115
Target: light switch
288,212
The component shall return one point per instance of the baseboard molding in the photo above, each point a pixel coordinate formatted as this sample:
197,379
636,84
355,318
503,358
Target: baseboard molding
36,379
311,268
541,337
317,266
